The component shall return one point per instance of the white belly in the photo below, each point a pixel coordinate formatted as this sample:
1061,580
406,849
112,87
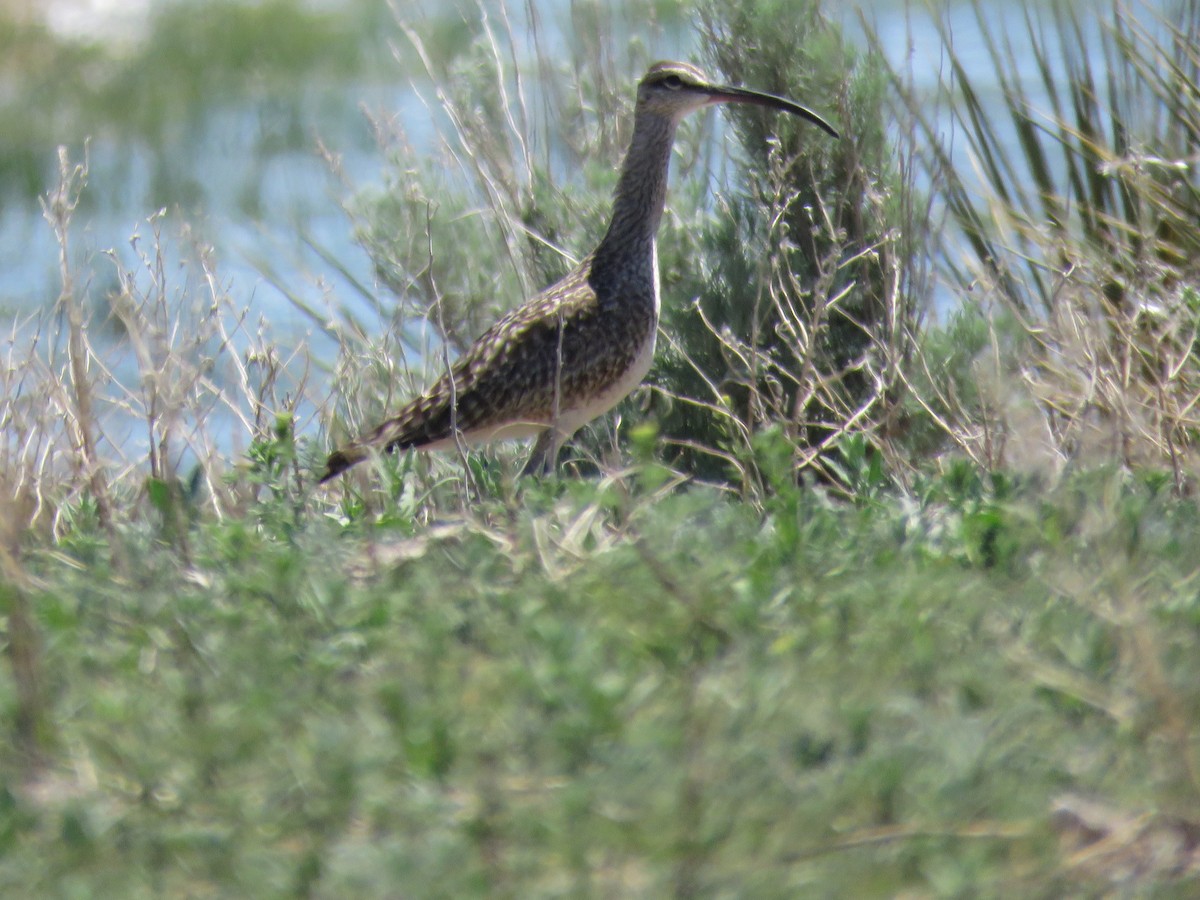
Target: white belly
507,431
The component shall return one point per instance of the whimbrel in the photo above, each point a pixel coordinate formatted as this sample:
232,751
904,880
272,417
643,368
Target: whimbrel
574,350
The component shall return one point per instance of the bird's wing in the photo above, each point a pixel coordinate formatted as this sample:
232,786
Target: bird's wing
538,359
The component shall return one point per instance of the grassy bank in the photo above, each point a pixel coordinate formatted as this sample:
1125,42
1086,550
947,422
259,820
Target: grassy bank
598,689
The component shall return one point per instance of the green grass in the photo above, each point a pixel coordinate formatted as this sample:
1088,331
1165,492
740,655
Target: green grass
601,691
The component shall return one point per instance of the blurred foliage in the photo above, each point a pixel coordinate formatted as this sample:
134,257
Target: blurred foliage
193,59
604,691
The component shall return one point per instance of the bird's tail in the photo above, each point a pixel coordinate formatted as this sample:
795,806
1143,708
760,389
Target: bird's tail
395,433
340,460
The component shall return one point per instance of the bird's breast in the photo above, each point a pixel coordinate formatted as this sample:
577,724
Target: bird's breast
609,393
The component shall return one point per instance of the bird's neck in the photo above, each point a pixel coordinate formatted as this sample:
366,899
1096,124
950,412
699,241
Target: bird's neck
641,191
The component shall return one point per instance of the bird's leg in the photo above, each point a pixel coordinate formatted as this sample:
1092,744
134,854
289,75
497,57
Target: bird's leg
544,455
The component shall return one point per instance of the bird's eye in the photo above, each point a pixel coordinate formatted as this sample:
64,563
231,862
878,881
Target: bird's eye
674,82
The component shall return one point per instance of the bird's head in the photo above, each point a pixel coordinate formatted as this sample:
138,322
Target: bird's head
674,89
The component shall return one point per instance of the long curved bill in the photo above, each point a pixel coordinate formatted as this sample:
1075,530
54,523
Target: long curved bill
724,94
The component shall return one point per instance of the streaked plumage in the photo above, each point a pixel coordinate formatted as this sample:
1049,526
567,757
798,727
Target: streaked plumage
575,349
